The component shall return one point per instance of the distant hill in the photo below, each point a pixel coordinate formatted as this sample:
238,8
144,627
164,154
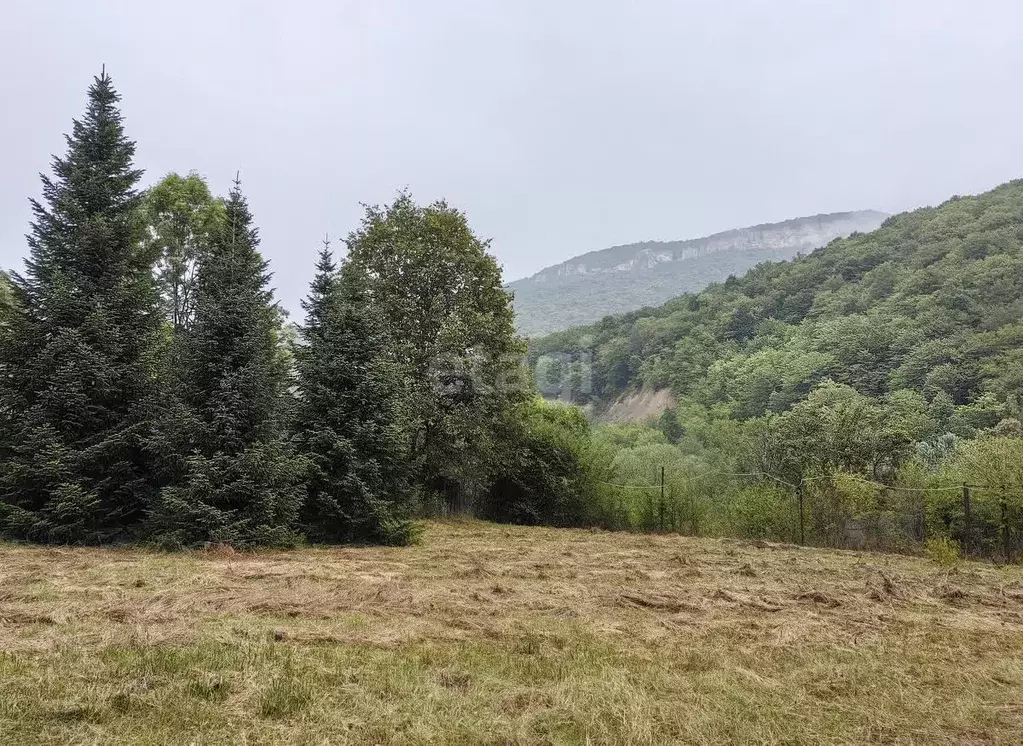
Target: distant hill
625,278
924,314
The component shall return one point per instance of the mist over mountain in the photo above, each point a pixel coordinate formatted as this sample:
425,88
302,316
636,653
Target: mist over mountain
625,278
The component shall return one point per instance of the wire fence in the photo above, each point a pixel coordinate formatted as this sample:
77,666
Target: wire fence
837,510
844,511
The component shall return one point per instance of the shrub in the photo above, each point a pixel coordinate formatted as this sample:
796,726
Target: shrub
943,551
546,475
765,513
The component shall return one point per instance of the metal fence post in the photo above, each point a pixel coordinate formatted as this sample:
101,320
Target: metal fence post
661,509
967,521
1006,541
802,518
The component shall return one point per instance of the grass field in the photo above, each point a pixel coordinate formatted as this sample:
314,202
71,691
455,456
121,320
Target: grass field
491,634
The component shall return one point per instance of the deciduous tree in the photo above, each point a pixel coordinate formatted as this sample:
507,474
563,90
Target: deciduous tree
441,294
182,217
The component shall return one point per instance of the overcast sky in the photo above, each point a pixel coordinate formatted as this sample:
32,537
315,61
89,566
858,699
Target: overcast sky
558,126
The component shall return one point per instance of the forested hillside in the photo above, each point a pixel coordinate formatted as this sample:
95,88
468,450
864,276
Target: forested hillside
624,278
925,311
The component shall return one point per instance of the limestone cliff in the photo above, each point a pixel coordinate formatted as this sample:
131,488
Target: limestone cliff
624,278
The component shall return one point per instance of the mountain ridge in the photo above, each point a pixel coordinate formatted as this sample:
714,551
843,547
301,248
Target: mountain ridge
696,243
627,277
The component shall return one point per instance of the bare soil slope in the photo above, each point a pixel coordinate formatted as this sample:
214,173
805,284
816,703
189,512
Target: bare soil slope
639,406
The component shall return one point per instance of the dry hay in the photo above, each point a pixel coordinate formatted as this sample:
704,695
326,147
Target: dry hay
634,624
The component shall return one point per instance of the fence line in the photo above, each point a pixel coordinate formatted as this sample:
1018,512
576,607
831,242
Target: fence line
841,525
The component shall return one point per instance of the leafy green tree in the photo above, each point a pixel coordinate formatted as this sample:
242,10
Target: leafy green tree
233,477
616,436
865,350
580,381
669,424
690,360
641,464
995,466
78,359
450,318
351,415
741,323
182,217
994,463
549,374
910,411
614,363
836,429
941,410
983,413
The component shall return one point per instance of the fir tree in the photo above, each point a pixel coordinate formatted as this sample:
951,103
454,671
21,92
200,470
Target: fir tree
322,291
350,423
78,357
235,480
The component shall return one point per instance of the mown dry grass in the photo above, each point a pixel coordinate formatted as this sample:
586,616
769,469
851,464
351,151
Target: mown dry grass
490,634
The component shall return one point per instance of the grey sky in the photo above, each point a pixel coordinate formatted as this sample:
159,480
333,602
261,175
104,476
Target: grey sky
559,127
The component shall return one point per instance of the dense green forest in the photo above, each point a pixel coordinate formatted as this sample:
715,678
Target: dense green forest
925,309
892,358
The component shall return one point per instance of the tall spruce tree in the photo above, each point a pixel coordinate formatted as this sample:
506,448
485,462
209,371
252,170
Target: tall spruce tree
78,356
351,418
233,476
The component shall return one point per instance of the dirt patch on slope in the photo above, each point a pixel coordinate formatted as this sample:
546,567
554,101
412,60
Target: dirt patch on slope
638,406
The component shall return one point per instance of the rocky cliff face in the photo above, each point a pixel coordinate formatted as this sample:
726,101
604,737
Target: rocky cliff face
801,234
625,278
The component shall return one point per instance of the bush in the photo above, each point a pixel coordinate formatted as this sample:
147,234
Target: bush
943,551
765,513
547,474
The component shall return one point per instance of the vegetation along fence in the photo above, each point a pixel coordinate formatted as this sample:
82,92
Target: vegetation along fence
838,510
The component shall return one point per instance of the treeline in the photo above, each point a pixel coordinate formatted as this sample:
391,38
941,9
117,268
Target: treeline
892,357
151,390
838,469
